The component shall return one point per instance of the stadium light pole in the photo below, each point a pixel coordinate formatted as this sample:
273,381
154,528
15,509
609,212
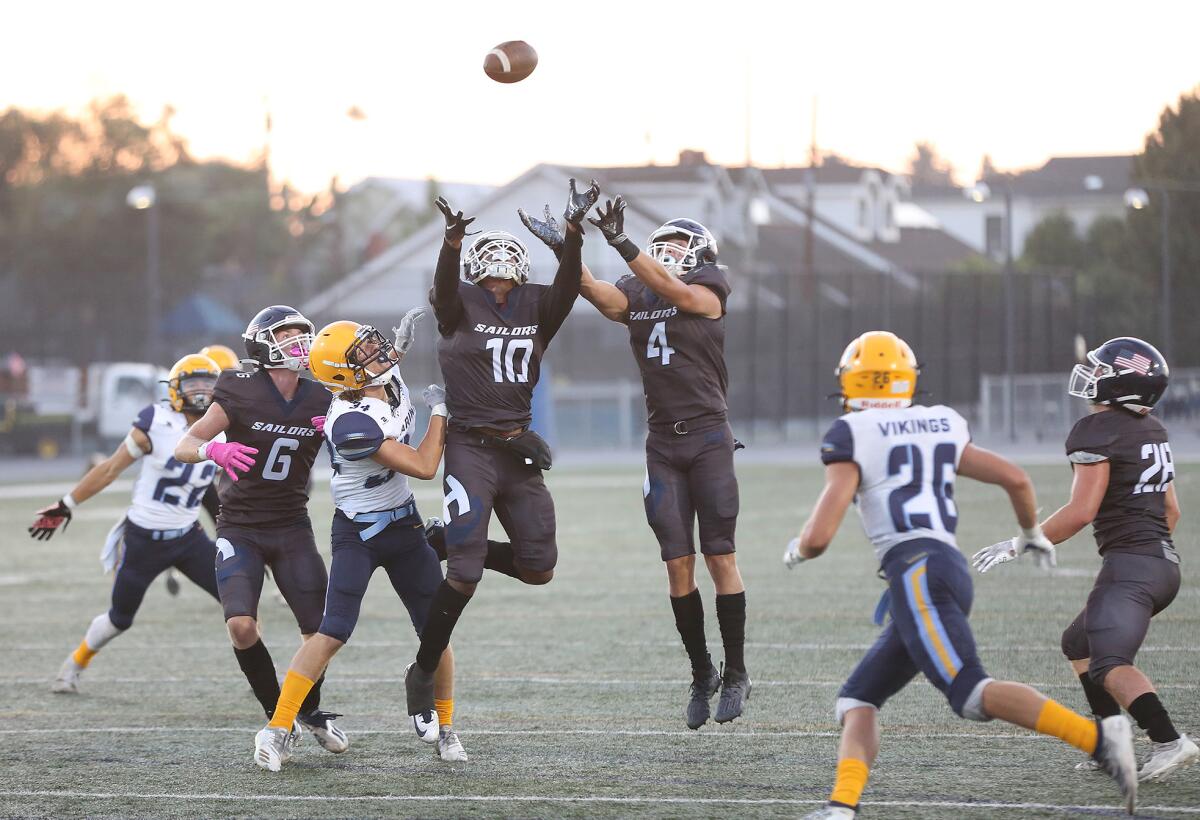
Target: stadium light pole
982,192
145,198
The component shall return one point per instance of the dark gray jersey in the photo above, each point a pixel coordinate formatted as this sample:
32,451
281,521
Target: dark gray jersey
681,355
1132,516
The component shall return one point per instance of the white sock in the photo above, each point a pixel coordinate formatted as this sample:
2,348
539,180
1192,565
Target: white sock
100,632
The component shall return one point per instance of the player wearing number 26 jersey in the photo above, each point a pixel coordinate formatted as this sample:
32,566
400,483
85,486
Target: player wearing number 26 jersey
673,304
899,463
160,530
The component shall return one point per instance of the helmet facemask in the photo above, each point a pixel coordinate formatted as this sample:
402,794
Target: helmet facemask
290,353
496,254
664,247
1084,379
194,391
370,347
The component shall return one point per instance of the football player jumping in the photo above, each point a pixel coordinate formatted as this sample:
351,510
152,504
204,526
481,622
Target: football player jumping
898,463
267,413
160,530
1122,485
493,325
375,523
674,306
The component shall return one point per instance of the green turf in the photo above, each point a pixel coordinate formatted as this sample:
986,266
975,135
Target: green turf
592,654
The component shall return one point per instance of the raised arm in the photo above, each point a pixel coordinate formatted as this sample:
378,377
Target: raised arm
420,461
697,299
447,304
606,297
565,289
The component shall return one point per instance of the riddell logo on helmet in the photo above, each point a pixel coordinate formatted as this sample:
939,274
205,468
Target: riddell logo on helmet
282,429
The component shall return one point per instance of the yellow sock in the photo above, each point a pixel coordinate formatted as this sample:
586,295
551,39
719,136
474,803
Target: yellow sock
84,654
445,710
851,780
1058,721
295,689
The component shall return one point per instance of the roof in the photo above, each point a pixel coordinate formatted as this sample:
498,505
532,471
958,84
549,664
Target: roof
1105,175
831,173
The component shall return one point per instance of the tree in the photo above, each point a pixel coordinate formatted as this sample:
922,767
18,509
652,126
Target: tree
927,167
1054,243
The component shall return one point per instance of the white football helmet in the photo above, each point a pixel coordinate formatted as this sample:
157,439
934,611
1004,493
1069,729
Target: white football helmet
499,254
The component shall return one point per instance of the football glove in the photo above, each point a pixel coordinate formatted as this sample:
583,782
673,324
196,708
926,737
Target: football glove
456,224
546,230
406,332
230,456
1029,541
435,398
318,423
612,221
49,519
791,555
578,204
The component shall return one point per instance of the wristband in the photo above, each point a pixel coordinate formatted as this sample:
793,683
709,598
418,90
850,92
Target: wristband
626,247
69,501
202,451
439,410
1034,533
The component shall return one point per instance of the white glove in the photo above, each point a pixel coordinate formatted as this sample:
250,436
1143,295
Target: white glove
435,398
791,555
1031,540
406,332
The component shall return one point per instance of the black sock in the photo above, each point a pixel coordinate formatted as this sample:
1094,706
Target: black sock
1152,716
312,701
689,620
448,604
1103,704
500,558
731,615
259,670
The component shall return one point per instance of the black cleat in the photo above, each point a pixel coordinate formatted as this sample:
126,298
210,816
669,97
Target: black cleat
704,686
172,583
435,534
735,691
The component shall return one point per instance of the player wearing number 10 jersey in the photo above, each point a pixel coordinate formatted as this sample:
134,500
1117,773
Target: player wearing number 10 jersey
899,463
267,414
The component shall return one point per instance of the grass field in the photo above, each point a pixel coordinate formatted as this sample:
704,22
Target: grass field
570,696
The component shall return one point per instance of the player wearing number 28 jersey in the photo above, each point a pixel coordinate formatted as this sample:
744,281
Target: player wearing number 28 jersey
899,463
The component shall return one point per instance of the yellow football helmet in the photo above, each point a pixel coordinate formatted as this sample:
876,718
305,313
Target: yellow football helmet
342,351
190,384
878,369
225,358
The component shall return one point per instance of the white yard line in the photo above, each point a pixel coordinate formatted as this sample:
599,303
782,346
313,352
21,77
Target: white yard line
469,732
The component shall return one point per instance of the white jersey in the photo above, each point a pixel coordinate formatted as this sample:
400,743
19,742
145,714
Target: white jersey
907,460
354,430
167,493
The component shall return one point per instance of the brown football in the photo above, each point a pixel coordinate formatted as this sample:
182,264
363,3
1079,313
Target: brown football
510,62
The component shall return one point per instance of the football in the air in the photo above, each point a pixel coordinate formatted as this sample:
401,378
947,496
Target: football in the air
510,62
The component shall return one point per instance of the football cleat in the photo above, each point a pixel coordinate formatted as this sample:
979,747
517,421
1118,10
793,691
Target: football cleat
1167,757
1115,755
329,735
449,747
435,534
1089,765
172,583
271,748
831,813
704,686
293,741
418,689
735,691
67,682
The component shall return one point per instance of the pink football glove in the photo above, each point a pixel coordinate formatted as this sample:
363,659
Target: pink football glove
319,423
231,457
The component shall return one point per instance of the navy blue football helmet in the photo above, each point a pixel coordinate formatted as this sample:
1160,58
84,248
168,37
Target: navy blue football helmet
1124,372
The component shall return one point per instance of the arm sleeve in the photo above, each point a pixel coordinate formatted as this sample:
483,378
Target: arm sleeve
838,444
211,501
1088,443
356,436
445,298
145,418
713,278
561,295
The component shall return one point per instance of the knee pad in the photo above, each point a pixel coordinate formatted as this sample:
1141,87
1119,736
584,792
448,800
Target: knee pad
336,627
844,705
1074,643
118,621
1098,668
966,693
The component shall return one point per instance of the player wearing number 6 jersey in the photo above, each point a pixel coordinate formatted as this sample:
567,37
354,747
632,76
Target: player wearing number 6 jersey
493,325
159,531
899,462
1124,486
267,414
674,306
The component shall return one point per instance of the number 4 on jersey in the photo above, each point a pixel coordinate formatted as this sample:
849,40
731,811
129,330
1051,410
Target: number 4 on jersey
656,346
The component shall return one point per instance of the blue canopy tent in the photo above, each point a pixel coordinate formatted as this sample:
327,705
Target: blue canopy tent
201,316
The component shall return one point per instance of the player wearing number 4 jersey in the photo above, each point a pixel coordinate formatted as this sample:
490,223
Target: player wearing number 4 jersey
1124,485
160,530
267,414
674,306
899,462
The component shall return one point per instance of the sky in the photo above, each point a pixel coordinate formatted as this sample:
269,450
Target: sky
618,81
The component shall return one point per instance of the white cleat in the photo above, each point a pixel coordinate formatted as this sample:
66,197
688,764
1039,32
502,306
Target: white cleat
328,734
1088,765
1165,758
418,687
1116,758
271,748
67,682
831,813
293,741
449,747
